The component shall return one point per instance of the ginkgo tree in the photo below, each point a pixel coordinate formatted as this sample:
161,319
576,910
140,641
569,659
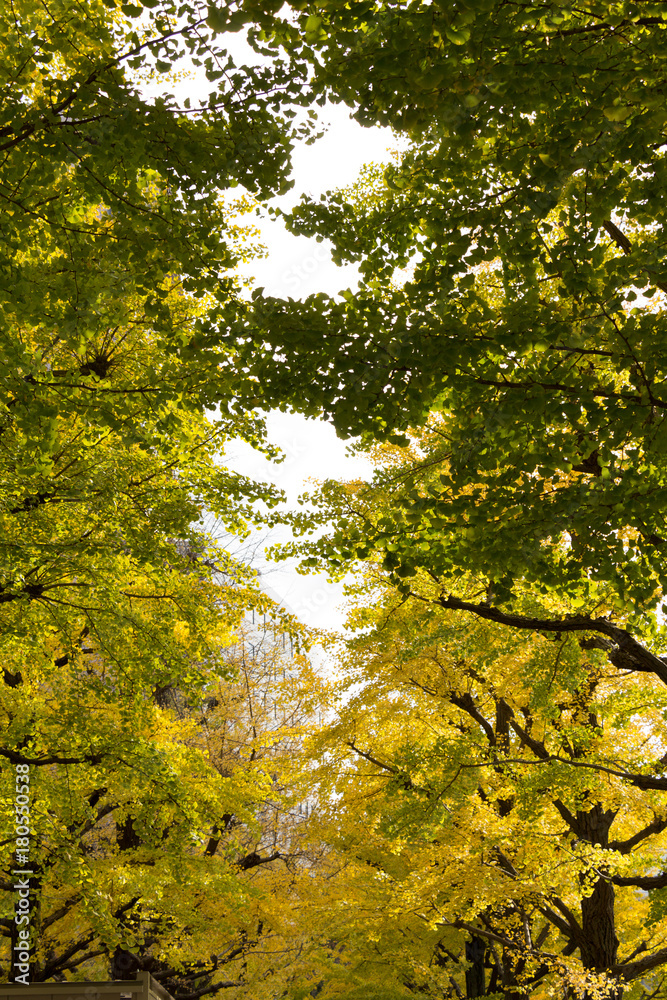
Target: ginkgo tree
102,183
512,284
119,234
166,825
492,789
528,211
108,454
530,221
114,595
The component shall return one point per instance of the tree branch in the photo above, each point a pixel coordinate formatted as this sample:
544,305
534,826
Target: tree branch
625,846
19,758
643,659
30,129
622,241
373,760
254,859
641,881
62,912
633,970
466,702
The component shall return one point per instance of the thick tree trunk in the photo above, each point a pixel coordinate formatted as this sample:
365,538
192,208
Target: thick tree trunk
124,964
475,985
599,944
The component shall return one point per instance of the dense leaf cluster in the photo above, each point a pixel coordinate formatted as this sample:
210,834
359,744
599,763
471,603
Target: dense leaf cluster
118,234
512,280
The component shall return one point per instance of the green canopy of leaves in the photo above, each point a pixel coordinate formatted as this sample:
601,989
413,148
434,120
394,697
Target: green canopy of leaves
512,265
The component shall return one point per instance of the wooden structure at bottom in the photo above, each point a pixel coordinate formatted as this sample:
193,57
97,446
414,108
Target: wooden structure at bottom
144,987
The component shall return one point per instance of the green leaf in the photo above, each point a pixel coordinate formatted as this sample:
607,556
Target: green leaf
217,18
617,113
458,36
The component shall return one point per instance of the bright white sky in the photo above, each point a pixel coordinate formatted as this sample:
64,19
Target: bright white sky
298,266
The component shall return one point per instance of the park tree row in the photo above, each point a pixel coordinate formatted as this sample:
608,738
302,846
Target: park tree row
497,765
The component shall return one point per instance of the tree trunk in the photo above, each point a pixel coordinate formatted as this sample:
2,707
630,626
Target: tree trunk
599,945
124,964
475,985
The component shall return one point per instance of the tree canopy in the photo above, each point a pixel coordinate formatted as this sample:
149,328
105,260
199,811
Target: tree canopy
511,264
505,343
512,287
118,235
494,797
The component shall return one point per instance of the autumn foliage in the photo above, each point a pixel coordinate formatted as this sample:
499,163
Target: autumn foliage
475,804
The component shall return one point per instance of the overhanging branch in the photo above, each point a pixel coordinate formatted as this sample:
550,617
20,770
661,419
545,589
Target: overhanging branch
641,658
19,758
